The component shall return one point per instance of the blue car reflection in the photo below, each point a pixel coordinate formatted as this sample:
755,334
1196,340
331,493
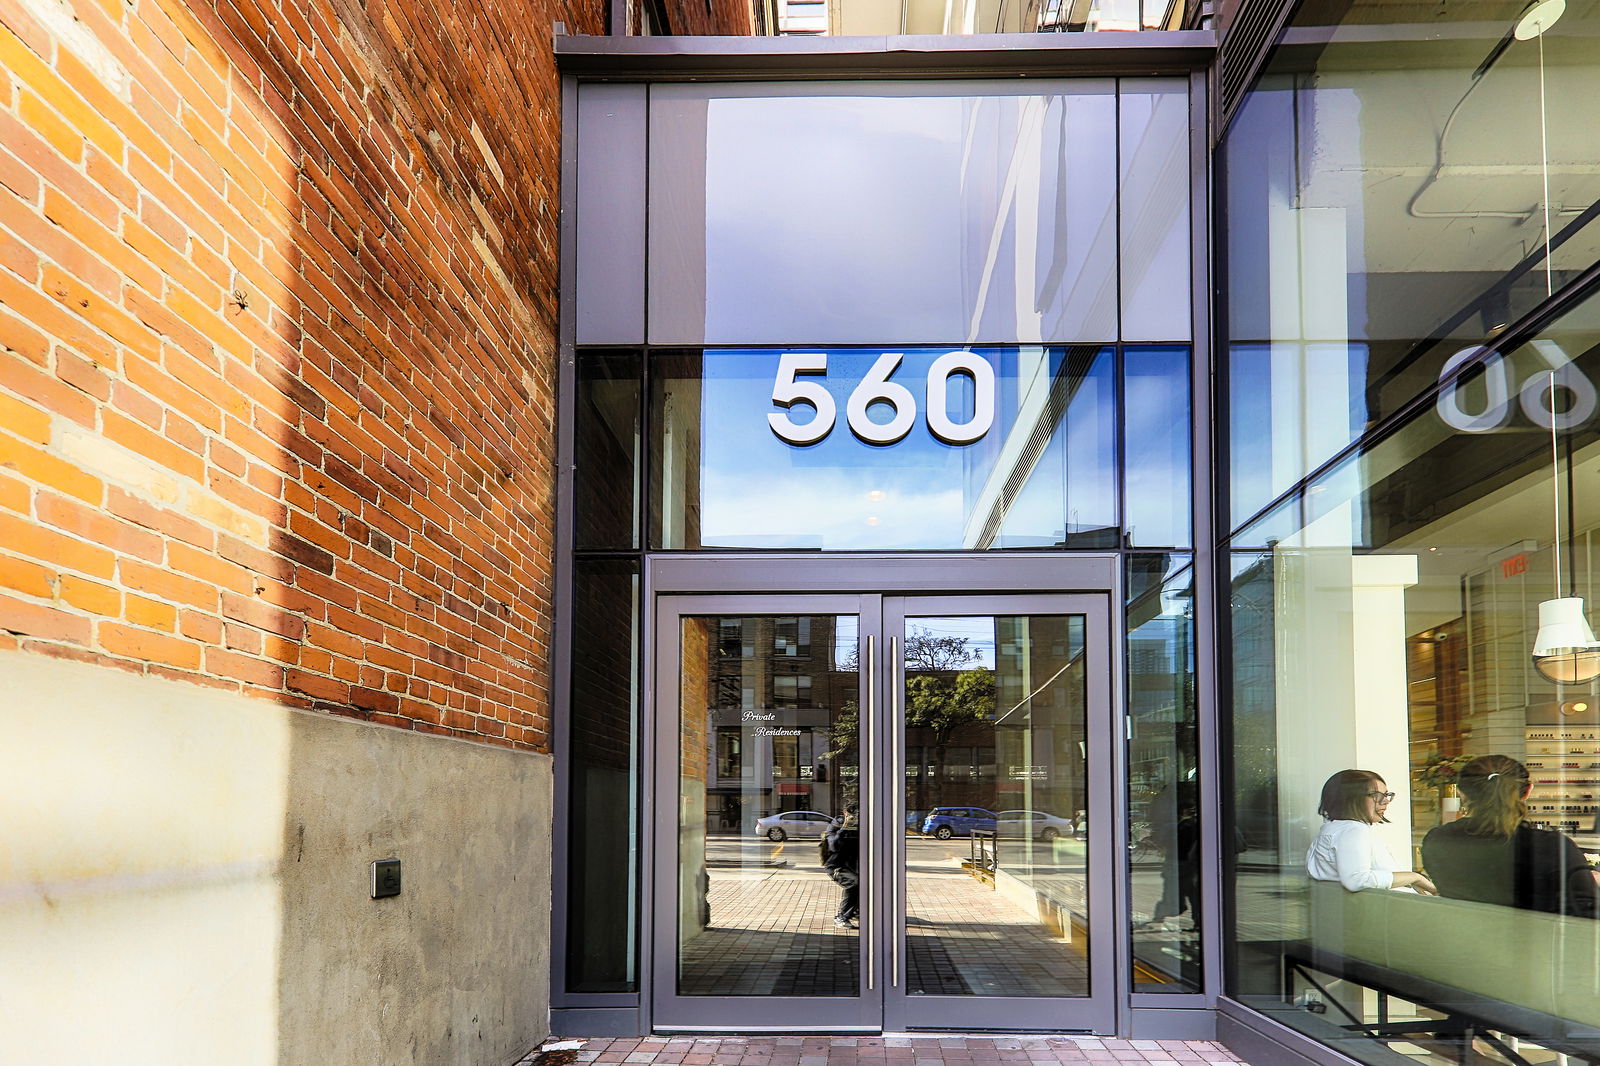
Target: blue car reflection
946,822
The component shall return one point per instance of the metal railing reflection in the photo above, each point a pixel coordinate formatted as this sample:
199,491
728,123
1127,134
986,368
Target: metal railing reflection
984,852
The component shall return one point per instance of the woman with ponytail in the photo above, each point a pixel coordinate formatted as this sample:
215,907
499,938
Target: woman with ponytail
1491,855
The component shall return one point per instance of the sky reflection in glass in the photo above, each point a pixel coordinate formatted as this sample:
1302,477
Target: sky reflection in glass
1035,479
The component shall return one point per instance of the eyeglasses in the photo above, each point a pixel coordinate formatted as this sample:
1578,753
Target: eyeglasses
1381,797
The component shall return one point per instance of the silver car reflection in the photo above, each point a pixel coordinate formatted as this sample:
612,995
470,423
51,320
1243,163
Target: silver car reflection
805,824
1035,824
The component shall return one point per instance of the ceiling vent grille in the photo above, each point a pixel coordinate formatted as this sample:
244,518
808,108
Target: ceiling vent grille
1255,25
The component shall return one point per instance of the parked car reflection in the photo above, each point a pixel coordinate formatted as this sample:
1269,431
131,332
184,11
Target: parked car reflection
946,822
802,824
1037,825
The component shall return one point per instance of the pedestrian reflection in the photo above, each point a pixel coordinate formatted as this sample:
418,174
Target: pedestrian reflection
841,857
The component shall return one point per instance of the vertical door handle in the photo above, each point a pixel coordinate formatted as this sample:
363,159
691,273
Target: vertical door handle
897,832
866,797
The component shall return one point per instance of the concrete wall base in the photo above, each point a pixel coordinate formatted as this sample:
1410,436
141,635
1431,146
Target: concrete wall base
185,874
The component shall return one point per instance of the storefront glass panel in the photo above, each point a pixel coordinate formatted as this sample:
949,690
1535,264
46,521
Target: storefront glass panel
1028,457
1392,630
1156,428
1164,806
602,770
882,211
608,449
1399,185
1153,124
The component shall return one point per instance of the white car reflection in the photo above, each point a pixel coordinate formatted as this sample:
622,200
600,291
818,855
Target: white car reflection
807,824
1035,824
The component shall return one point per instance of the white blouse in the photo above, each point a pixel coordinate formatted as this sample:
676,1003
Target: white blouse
1349,852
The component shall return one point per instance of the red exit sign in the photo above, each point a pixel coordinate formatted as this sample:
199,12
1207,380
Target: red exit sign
1517,564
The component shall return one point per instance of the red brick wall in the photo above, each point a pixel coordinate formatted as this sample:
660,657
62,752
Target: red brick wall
277,333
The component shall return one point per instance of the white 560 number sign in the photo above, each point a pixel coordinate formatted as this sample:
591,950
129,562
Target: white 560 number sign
800,377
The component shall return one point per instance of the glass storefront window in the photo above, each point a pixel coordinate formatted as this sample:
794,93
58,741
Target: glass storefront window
897,212
1390,193
1164,806
602,755
1153,129
1418,802
607,451
1156,428
909,449
938,316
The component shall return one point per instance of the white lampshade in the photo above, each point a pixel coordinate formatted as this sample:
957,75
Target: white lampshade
1565,649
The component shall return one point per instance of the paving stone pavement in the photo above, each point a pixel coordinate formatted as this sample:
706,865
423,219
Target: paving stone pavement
896,1051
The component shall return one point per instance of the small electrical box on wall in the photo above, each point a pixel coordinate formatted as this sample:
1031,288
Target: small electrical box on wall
385,878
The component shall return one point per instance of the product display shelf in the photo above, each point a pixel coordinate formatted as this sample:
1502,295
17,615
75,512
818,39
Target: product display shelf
1564,768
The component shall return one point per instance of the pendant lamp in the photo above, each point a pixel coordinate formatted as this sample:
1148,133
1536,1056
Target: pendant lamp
1564,651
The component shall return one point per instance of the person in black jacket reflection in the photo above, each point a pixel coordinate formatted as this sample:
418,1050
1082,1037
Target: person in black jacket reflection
1491,855
842,860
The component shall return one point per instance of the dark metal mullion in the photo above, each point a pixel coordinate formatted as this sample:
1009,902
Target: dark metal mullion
646,379
1117,611
640,779
1119,368
561,672
1205,479
644,486
1204,642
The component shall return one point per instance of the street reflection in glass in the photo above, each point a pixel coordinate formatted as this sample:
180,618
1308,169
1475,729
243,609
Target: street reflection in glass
996,878
1163,776
769,764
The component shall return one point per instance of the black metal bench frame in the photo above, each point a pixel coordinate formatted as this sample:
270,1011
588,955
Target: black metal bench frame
1467,1016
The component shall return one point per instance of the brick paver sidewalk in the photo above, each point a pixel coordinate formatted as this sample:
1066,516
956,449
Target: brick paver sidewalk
897,1051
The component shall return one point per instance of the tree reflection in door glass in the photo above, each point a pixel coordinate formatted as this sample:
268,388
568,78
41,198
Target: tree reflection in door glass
769,759
996,877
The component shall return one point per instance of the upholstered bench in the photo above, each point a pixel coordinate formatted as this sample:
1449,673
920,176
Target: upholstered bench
1525,973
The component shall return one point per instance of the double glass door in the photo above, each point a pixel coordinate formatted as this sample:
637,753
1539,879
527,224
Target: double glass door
882,812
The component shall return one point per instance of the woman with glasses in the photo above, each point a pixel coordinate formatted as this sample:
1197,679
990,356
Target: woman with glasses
1348,849
1491,855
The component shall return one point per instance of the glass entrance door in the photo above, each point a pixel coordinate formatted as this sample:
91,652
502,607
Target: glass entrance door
1001,873
880,812
762,712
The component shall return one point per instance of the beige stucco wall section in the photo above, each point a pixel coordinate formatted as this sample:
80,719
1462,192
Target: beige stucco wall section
184,878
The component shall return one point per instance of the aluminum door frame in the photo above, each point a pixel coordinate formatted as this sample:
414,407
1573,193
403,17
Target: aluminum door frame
671,1011
744,578
1096,1012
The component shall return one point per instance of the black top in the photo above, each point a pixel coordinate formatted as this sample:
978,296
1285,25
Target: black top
1535,869
842,849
